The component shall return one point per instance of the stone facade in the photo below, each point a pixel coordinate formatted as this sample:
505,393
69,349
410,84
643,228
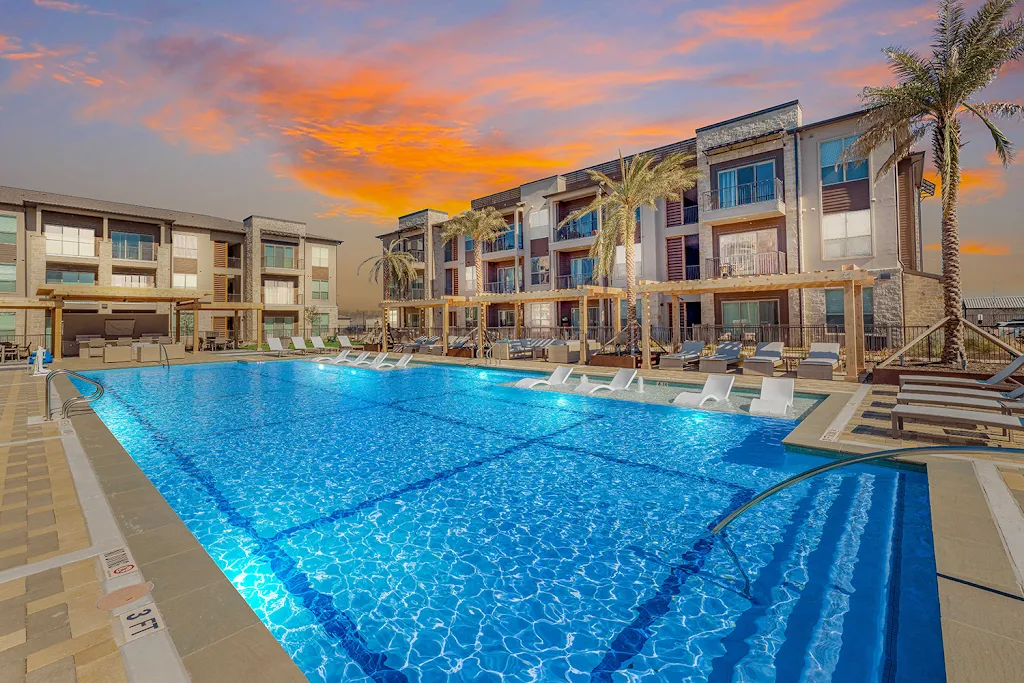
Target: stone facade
924,300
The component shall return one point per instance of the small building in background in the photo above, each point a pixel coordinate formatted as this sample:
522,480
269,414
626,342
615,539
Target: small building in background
986,311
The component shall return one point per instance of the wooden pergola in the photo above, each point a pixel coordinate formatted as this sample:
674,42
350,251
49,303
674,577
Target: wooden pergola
58,294
444,303
235,307
852,282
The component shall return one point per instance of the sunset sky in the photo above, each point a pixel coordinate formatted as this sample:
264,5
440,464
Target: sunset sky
347,113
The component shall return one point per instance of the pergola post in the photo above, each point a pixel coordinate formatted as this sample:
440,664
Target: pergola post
259,328
444,329
583,330
519,321
850,328
57,332
858,311
195,327
645,332
616,316
177,324
481,315
675,322
384,320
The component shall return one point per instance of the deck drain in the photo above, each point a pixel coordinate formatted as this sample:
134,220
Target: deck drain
124,596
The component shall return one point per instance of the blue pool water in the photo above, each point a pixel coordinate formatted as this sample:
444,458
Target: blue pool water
431,525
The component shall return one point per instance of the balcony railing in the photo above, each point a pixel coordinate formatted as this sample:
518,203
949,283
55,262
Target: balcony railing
227,298
690,215
764,263
584,226
691,273
573,281
740,195
231,262
281,296
410,294
282,262
88,247
417,254
500,287
134,252
503,243
540,278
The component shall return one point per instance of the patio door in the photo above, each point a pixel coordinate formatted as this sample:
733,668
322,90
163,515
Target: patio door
582,271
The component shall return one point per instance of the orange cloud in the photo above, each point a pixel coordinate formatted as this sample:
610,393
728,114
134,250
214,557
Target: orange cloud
860,76
977,185
82,8
203,128
787,22
976,248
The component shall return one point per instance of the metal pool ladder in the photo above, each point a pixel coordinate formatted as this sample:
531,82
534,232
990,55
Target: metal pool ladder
164,355
65,409
882,455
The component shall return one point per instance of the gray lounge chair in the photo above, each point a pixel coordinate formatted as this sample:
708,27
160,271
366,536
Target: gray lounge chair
959,392
727,353
767,356
996,381
689,353
953,417
1005,407
821,362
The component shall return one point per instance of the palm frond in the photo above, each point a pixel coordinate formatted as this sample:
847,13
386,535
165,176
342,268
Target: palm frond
1004,147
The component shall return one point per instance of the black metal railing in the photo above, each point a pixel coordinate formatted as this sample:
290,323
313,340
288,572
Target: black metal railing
282,262
407,294
584,226
500,287
540,278
690,215
574,281
764,263
145,251
503,243
740,195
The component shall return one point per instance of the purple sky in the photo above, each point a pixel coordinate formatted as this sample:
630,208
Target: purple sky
346,114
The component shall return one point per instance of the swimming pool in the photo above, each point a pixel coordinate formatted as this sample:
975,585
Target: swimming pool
432,525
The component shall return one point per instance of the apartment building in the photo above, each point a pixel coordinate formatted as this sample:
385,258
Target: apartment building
771,200
48,238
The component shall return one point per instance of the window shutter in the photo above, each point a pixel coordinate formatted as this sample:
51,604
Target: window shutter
674,250
673,213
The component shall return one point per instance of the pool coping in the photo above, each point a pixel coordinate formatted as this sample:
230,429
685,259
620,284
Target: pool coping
217,635
981,609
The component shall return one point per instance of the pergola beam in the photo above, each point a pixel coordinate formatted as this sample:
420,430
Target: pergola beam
760,283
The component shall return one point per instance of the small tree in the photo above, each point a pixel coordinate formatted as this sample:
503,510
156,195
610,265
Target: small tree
310,314
393,266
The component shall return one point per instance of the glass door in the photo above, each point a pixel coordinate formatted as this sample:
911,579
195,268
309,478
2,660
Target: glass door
582,271
726,189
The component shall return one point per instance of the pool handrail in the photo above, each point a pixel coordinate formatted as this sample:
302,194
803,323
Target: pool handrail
881,455
66,407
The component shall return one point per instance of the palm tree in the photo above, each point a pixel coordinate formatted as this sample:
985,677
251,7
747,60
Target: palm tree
393,266
481,226
642,183
931,95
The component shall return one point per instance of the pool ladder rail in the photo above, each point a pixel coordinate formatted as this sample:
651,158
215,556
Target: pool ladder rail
881,455
66,407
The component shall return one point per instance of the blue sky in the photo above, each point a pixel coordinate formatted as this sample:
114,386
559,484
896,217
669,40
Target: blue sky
346,114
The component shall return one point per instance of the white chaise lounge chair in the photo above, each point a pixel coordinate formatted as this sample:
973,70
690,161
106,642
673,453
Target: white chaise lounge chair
557,378
620,382
300,345
953,417
373,364
996,381
318,345
343,340
716,388
402,362
776,397
337,359
355,360
275,346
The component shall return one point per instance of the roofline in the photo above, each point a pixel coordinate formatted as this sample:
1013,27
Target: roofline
834,119
271,218
747,116
413,213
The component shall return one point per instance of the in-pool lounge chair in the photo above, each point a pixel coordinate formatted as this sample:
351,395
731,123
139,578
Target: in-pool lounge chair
402,362
620,382
821,362
953,417
1008,407
355,360
275,346
716,388
557,378
689,353
776,397
337,359
766,358
727,353
996,381
318,345
959,392
300,345
372,364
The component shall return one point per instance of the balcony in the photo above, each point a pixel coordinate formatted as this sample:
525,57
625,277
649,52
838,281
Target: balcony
58,249
503,243
281,263
417,254
227,298
414,293
690,215
748,202
500,287
574,281
581,228
144,251
692,272
232,262
764,263
540,278
281,296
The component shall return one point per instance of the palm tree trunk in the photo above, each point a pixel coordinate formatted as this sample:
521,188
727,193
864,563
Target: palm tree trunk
629,238
953,347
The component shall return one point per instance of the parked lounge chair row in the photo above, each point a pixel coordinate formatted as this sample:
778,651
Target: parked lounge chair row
378,362
821,362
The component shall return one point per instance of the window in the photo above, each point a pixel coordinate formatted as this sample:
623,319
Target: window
472,316
7,325
506,318
8,230
67,277
471,279
279,292
131,280
277,256
754,252
321,323
131,246
539,315
8,277
593,316
321,289
835,303
581,272
746,185
185,245
832,171
540,270
750,312
65,241
469,244
278,327
450,249
847,235
185,281
321,256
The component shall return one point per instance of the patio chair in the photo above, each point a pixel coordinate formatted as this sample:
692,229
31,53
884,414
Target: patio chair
1008,407
300,345
953,417
716,388
1014,395
373,364
401,346
402,362
620,382
318,345
689,353
821,362
124,341
776,397
727,353
767,356
164,341
557,378
337,359
354,360
997,381
344,342
275,346
219,343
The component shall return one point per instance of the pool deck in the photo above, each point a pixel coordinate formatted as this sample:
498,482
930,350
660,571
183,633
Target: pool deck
71,493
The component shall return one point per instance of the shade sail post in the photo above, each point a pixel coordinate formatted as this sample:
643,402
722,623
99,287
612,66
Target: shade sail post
57,333
675,322
850,329
584,322
645,332
444,329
